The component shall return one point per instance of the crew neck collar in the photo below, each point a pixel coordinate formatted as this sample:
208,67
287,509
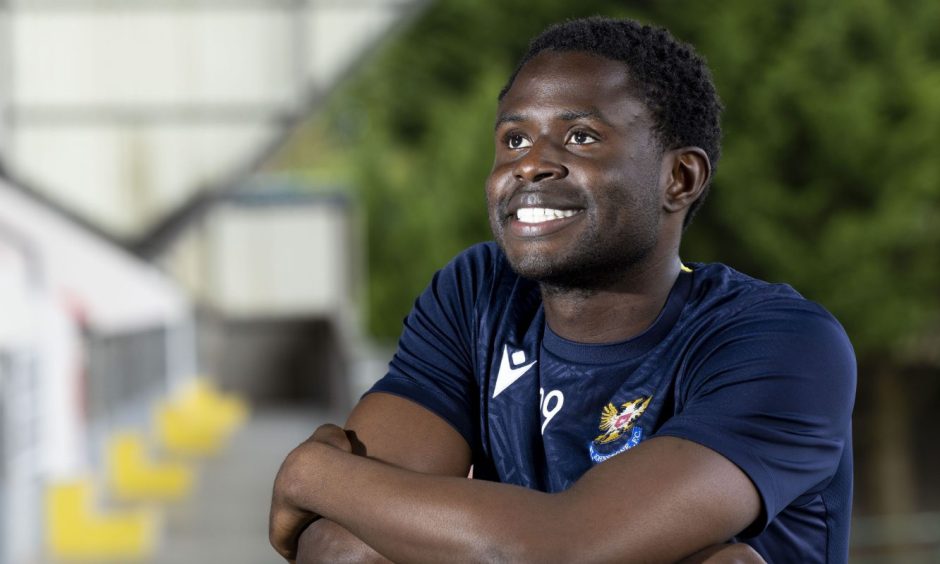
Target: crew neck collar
608,353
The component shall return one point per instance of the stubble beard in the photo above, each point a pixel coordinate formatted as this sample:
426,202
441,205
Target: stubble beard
594,261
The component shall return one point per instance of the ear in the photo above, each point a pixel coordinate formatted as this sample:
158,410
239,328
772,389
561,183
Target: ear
687,172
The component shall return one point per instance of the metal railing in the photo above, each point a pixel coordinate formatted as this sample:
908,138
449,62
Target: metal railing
122,371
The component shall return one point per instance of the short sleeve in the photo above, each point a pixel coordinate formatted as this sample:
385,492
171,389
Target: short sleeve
772,390
433,365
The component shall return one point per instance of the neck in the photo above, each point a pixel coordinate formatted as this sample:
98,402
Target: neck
616,311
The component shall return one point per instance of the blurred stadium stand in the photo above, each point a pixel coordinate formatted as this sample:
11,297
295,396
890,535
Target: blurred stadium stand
140,248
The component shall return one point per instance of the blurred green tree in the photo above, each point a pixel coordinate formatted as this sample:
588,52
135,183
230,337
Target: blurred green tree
829,181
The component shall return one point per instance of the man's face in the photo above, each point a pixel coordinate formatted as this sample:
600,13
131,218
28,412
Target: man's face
574,195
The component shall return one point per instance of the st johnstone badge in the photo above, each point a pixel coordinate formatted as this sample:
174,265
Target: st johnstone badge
619,428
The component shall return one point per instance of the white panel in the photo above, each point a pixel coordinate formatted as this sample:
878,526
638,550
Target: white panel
152,58
117,291
124,178
184,157
5,72
245,56
288,261
122,112
17,321
80,164
60,385
338,35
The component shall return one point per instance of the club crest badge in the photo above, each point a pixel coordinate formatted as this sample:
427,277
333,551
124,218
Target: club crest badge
619,429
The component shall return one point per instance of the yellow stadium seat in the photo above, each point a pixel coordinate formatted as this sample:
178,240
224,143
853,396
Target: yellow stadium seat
199,420
75,530
133,476
226,411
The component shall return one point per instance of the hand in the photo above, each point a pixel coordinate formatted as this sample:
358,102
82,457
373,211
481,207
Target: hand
288,516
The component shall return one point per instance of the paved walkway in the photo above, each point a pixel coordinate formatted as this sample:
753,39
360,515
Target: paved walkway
226,519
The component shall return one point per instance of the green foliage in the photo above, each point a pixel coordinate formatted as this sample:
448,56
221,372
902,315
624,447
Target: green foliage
830,178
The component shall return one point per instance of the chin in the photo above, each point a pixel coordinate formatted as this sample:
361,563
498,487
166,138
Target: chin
533,267
588,266
551,268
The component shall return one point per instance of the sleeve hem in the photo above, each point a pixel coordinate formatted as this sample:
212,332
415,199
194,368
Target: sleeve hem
406,389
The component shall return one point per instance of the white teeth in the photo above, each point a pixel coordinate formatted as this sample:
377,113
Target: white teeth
539,215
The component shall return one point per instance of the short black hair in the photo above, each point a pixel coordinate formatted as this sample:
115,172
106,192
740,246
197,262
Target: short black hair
671,78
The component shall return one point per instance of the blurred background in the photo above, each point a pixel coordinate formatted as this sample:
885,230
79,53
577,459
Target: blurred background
214,215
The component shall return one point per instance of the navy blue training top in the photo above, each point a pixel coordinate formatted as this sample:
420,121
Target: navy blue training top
748,369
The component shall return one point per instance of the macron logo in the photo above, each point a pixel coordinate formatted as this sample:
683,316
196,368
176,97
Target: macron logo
511,368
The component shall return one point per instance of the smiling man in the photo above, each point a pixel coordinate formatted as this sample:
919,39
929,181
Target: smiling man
615,404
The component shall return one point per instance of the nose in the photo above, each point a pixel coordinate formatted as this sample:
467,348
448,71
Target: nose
540,162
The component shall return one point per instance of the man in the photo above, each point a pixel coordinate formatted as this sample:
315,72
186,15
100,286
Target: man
615,405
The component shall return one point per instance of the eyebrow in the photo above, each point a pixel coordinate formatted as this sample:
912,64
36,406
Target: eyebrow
568,115
509,118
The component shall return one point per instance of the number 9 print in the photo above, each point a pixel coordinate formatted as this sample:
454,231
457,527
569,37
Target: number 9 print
549,409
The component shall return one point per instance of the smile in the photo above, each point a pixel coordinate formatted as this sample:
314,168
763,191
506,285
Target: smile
541,215
535,223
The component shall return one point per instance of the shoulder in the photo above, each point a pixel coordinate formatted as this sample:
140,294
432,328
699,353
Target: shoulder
767,380
465,291
480,259
724,296
477,272
737,324
738,321
720,285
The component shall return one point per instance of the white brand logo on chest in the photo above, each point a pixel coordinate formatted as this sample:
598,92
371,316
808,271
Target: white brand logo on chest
511,368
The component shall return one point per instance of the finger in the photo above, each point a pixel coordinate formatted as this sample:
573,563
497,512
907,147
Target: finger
284,531
332,435
278,535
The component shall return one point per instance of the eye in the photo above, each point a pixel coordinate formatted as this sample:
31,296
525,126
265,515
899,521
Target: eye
517,141
581,138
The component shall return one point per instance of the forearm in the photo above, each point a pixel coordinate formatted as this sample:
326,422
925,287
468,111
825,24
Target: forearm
326,542
412,517
739,553
384,427
661,502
